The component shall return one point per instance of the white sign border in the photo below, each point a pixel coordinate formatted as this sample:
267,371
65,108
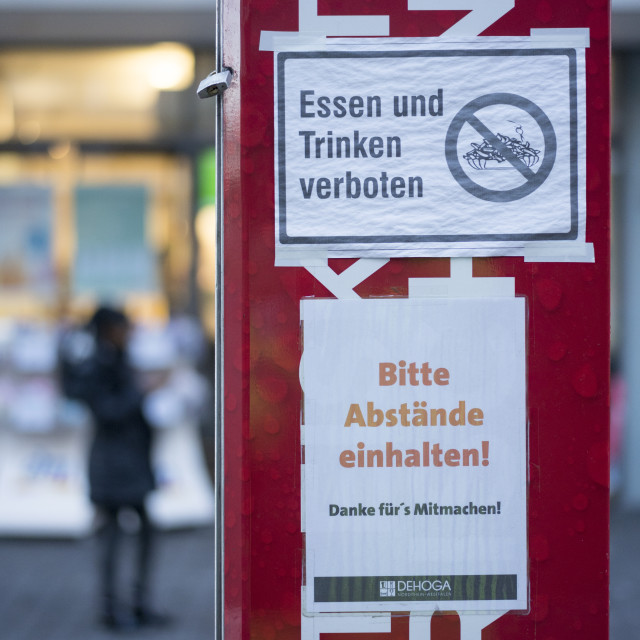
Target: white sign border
569,248
497,289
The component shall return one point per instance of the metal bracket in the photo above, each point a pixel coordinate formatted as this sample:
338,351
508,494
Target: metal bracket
216,82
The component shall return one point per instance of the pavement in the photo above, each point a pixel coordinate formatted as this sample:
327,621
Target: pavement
48,587
625,574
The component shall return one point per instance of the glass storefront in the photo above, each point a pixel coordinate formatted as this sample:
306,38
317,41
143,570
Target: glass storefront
105,197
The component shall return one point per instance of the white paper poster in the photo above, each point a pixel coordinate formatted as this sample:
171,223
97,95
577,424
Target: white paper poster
415,443
26,254
439,148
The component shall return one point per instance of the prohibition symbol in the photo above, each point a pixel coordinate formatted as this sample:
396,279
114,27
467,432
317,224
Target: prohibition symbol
532,179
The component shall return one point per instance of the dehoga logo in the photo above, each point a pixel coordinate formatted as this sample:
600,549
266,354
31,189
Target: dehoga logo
416,588
424,586
419,588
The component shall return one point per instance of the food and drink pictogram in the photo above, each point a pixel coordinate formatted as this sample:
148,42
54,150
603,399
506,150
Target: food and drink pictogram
488,156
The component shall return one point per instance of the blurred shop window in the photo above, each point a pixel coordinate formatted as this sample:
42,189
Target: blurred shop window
92,226
99,148
113,257
91,94
98,198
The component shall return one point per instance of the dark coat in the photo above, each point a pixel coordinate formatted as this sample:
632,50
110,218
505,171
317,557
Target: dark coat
120,472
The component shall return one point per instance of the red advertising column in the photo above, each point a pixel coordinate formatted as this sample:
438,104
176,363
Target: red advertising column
414,339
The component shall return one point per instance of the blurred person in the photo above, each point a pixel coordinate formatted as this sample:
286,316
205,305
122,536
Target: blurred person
120,471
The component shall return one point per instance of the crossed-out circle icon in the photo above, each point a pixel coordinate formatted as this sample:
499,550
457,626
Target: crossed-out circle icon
532,179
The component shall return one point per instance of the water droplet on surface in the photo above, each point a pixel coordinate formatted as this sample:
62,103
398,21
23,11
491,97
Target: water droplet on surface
230,402
549,294
271,425
580,502
539,547
588,273
272,389
598,463
557,351
584,381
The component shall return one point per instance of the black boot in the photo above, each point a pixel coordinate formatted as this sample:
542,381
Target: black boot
118,619
147,617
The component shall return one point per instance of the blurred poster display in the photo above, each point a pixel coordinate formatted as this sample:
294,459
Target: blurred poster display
43,485
26,260
415,455
45,437
113,255
185,496
43,482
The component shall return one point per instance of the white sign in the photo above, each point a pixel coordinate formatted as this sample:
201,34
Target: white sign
415,455
397,149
